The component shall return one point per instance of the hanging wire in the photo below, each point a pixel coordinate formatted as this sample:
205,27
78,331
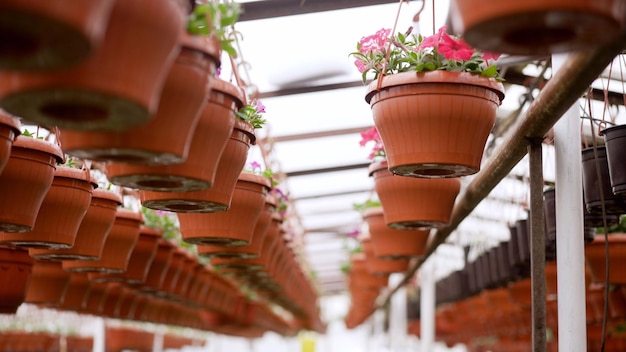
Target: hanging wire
604,220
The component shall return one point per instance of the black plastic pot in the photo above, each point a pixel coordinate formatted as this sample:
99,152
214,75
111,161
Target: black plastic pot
593,188
615,141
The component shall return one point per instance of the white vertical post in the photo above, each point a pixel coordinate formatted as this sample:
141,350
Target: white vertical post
572,335
427,305
397,315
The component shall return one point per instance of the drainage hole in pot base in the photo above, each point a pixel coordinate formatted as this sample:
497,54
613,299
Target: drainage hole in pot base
74,112
432,170
540,36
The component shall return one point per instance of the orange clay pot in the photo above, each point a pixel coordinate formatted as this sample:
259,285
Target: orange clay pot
434,124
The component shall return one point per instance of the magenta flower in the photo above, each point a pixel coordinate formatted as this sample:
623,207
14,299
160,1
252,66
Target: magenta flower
434,40
255,165
376,42
487,56
260,108
455,49
353,234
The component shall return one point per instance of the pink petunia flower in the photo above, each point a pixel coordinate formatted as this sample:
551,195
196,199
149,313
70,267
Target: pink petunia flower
353,234
487,56
376,42
369,135
434,40
455,49
360,65
260,108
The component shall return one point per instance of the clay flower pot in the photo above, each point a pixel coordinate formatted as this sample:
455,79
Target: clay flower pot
197,171
159,266
93,230
61,212
536,26
380,266
218,197
252,250
414,203
434,124
393,243
117,247
25,181
15,272
9,130
139,262
161,140
235,226
48,283
115,88
50,35
595,257
76,293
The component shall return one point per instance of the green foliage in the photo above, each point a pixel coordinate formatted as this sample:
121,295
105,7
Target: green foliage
618,228
165,221
222,15
71,162
27,133
370,203
251,113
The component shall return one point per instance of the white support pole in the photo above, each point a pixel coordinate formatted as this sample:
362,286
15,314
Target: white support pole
398,325
572,335
427,305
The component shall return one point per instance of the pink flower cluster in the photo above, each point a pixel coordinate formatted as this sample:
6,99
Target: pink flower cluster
371,135
452,48
374,44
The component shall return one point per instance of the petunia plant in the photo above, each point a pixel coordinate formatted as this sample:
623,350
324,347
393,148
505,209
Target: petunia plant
407,52
252,113
371,137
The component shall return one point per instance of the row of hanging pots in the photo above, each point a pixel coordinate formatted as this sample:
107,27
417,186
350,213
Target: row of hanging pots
364,288
23,341
119,80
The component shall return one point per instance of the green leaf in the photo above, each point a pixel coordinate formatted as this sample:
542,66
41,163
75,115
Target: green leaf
491,71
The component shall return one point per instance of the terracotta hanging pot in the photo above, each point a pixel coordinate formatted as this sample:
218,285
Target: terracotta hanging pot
15,273
9,130
117,87
50,35
93,230
536,26
173,274
379,266
615,143
390,242
197,172
614,204
235,226
252,250
159,266
139,261
25,182
48,283
595,257
361,277
61,212
117,247
164,139
218,197
260,263
434,124
76,293
411,202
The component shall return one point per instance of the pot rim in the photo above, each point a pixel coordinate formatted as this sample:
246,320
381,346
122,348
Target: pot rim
437,76
40,145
